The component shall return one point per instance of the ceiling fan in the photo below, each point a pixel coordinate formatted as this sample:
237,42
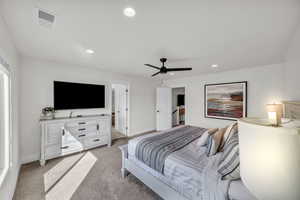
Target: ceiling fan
164,70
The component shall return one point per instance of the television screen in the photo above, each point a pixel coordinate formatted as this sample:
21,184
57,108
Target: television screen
78,96
180,100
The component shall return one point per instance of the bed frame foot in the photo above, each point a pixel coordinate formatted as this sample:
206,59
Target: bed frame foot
124,173
124,150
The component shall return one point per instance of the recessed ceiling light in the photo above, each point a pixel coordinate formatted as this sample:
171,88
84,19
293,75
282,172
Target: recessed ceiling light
214,66
172,74
89,51
129,12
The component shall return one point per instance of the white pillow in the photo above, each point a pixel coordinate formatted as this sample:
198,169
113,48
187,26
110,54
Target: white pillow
229,165
203,139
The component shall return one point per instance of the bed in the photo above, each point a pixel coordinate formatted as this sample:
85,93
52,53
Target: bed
187,174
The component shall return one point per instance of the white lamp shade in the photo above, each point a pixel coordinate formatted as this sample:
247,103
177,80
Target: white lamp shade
270,160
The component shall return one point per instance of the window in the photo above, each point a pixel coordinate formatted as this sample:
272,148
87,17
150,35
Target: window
5,122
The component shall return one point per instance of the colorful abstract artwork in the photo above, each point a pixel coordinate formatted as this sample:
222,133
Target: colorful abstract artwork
226,100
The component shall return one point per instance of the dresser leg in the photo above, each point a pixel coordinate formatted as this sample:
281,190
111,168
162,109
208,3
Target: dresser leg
42,163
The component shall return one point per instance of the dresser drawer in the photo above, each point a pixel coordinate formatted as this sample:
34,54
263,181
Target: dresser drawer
84,135
71,148
95,141
83,129
81,123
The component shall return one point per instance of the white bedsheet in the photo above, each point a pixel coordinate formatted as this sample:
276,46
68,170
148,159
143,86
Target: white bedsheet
184,170
238,191
191,173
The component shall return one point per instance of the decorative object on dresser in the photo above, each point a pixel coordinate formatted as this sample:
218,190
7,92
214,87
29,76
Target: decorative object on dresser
64,136
48,113
226,100
270,156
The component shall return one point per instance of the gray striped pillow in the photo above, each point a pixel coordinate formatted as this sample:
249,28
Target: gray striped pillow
211,146
229,166
231,130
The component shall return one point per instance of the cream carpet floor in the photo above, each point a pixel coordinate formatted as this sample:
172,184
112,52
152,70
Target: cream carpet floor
91,175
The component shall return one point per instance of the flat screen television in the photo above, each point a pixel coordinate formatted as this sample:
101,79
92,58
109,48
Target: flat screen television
69,96
180,100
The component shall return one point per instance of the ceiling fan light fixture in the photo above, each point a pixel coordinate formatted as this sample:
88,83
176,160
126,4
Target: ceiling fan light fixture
129,12
166,70
89,51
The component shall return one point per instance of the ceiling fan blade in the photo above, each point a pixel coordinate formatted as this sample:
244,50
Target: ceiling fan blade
155,74
152,66
178,69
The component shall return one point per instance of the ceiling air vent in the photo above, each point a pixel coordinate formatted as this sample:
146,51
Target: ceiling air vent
45,18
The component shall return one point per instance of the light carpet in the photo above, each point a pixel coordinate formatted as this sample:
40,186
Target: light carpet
91,175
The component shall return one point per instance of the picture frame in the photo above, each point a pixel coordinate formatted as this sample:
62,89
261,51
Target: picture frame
227,101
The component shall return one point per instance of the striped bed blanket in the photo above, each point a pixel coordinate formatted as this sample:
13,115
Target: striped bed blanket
153,151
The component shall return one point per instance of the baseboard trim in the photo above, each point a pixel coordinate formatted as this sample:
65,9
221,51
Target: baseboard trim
16,180
29,159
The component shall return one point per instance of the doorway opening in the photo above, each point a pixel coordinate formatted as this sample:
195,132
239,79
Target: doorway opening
178,106
120,110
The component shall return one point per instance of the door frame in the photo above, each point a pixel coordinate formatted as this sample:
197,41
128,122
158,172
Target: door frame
186,105
125,83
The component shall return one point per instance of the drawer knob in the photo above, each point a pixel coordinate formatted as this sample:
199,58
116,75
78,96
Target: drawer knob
65,147
81,135
81,129
80,123
96,140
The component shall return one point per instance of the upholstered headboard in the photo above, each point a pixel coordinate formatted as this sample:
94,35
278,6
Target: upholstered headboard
291,109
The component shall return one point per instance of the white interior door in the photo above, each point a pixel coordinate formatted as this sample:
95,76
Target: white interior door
163,108
121,108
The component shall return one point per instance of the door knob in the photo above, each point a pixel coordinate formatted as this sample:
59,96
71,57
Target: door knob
157,111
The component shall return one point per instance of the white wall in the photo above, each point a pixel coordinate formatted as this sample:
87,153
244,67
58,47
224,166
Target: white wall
265,85
37,92
292,68
10,55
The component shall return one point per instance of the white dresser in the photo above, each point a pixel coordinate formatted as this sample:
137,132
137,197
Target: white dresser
64,136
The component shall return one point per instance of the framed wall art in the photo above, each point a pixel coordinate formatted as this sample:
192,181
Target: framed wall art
226,100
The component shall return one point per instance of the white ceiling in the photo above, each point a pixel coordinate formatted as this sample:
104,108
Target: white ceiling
193,33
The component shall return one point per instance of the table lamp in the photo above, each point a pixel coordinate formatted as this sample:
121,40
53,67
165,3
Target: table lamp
274,113
270,160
